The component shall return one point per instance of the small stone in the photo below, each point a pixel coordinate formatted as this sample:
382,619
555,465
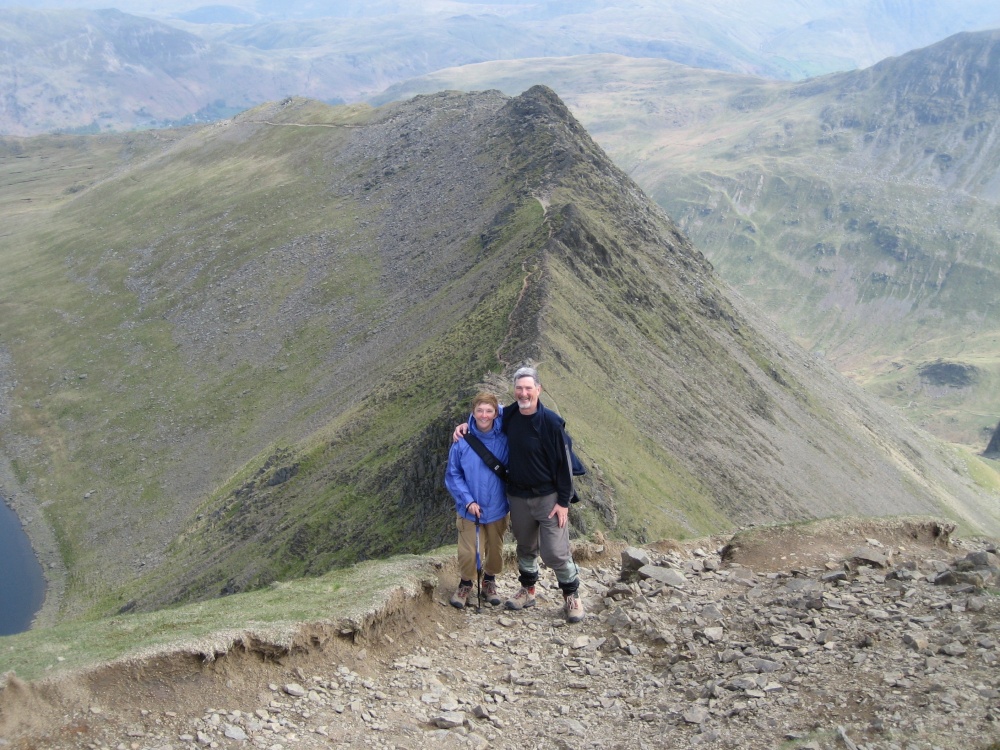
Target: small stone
714,634
634,558
481,712
295,690
449,720
235,733
696,715
571,726
976,603
828,636
952,649
667,576
869,556
743,682
979,559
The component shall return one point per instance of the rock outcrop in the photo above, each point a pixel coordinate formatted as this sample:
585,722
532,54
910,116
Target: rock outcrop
993,448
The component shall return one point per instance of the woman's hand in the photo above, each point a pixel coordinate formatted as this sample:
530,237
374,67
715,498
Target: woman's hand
459,432
474,509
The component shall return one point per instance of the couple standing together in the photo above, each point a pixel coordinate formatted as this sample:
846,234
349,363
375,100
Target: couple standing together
532,442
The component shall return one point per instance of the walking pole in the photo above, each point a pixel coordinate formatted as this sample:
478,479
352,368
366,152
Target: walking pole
479,572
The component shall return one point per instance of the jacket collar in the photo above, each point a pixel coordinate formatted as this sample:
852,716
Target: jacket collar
536,419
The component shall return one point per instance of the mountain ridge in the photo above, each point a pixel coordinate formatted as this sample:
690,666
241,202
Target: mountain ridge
835,204
255,337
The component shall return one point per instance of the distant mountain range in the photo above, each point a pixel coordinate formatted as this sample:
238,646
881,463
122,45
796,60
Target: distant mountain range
78,66
233,353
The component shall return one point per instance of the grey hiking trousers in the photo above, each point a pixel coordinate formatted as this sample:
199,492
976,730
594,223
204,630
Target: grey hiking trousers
537,534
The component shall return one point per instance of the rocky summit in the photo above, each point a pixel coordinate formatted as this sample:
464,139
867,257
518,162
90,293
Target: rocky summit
858,635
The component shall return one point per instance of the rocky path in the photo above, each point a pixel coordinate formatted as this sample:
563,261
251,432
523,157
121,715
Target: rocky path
875,646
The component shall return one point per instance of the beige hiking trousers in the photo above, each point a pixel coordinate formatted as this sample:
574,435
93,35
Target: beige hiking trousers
490,547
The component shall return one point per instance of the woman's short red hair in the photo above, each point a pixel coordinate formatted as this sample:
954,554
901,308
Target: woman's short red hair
486,398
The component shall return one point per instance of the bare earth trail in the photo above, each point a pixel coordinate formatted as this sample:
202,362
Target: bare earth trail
851,635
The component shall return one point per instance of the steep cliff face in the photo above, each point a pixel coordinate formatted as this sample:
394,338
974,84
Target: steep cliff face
931,113
283,316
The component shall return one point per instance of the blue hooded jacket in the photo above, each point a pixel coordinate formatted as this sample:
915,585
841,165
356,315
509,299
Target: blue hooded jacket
469,479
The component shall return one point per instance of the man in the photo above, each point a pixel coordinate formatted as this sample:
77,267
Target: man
539,490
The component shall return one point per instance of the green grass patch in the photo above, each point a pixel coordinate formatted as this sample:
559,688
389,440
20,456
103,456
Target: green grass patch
272,614
984,472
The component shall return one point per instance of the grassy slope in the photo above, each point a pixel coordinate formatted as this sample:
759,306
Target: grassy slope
106,368
219,302
274,616
354,497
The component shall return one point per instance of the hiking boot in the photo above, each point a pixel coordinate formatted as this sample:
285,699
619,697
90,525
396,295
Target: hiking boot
490,593
522,599
461,596
574,608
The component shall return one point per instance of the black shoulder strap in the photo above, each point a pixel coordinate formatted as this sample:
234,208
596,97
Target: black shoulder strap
491,461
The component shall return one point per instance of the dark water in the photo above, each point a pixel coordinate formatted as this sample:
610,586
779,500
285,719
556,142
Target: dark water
22,585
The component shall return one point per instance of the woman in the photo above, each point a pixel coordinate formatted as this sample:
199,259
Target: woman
480,499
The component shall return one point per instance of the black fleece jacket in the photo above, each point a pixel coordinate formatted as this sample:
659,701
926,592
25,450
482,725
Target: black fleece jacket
555,445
